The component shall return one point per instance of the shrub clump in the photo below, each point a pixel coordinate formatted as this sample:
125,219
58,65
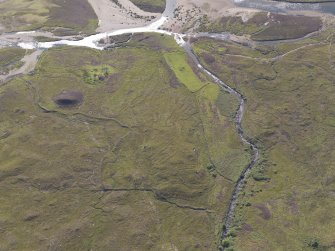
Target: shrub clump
313,243
95,74
257,172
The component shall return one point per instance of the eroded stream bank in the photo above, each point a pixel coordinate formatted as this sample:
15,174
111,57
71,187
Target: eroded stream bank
228,220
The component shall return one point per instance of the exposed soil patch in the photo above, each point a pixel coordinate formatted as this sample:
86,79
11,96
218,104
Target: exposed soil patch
209,59
68,98
265,212
293,206
149,41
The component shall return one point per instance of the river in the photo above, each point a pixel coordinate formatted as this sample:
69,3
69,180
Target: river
276,6
92,42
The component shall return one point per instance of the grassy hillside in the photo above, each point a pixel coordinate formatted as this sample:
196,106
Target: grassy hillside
288,200
64,17
264,26
132,156
10,59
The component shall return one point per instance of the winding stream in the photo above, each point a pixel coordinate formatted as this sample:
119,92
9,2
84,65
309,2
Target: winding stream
92,42
238,122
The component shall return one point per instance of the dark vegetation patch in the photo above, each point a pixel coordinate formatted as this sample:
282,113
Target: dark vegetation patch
233,24
157,42
119,39
154,6
246,228
284,26
77,15
209,59
115,41
264,27
173,80
68,98
60,31
46,39
265,212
